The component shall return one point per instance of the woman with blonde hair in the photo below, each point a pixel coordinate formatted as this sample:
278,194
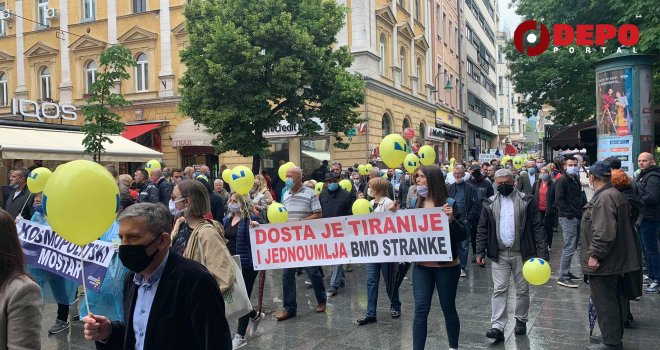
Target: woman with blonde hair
260,196
199,239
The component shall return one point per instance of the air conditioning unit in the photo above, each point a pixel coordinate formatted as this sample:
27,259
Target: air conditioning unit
6,15
51,13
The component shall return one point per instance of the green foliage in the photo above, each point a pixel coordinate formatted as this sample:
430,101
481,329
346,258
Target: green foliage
100,120
251,64
564,80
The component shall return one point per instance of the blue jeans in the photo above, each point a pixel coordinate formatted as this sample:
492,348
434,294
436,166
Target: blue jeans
569,228
289,287
338,278
464,249
649,232
445,280
373,278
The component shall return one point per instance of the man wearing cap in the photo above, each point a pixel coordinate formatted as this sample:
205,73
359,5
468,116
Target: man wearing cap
608,251
335,201
648,182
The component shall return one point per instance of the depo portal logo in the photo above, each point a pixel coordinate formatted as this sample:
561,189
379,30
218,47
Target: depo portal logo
563,35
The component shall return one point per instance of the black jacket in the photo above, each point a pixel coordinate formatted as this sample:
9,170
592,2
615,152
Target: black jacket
484,187
402,193
471,201
457,228
649,183
165,189
335,203
532,235
568,197
21,204
188,311
217,206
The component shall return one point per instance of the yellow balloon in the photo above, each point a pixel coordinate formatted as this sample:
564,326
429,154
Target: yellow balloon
362,206
536,271
81,201
151,165
277,213
368,167
242,179
318,188
411,163
362,169
282,170
37,179
346,184
452,161
518,162
226,176
426,155
393,149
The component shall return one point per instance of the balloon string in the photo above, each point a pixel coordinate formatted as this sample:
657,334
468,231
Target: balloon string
82,264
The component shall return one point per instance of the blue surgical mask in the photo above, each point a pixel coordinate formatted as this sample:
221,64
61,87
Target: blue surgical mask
544,177
288,183
234,207
531,171
572,170
333,187
39,209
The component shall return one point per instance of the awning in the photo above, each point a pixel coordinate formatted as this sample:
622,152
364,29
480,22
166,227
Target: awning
575,136
188,134
31,143
317,155
132,131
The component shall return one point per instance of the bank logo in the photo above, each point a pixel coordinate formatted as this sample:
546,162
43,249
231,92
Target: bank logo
519,36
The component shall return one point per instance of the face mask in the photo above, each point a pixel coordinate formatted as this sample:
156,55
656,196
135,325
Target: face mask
539,165
370,193
234,207
477,174
531,171
39,209
356,182
333,187
572,170
288,183
173,210
544,177
505,189
135,258
422,190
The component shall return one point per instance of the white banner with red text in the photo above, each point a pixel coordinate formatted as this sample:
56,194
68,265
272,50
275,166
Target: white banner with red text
404,236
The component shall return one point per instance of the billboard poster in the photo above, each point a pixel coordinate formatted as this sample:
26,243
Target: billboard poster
614,102
646,127
617,146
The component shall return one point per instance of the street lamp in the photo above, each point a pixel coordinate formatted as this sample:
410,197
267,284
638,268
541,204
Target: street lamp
448,85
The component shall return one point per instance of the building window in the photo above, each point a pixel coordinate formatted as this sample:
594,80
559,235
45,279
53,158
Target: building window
501,119
386,124
447,95
139,6
419,72
3,23
142,73
417,12
500,85
89,10
4,94
406,124
44,79
500,55
437,19
90,76
451,94
381,47
469,33
470,67
444,25
402,62
451,43
42,9
456,37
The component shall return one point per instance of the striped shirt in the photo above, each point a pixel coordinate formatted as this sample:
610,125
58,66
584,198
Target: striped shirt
301,204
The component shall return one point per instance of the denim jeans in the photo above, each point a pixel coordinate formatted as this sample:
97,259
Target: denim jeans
464,247
569,228
338,278
649,232
289,287
373,279
445,280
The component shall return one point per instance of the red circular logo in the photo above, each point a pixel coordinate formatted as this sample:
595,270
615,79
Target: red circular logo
408,133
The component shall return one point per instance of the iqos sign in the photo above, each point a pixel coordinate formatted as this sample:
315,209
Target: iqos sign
47,110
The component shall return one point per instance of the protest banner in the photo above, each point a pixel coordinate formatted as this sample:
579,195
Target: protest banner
45,249
404,236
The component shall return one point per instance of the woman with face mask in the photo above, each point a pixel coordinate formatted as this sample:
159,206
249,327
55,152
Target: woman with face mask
200,239
261,197
237,231
545,197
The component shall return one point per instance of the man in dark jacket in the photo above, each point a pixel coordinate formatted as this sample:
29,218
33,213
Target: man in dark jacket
484,189
465,196
147,192
528,178
569,204
164,187
20,199
509,233
335,201
170,302
320,173
648,181
608,251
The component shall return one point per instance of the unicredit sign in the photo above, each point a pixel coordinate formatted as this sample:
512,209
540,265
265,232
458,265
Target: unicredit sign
47,110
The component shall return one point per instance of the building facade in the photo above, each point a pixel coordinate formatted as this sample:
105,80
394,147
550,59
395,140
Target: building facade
511,122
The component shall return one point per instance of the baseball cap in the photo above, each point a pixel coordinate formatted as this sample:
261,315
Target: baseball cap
600,168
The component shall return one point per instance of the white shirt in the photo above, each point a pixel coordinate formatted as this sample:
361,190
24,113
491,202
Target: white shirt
532,179
449,179
507,225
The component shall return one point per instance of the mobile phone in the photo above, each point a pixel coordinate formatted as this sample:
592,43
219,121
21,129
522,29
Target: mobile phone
450,201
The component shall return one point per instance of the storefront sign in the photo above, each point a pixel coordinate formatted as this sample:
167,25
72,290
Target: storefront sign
46,250
408,133
440,134
284,129
404,236
47,110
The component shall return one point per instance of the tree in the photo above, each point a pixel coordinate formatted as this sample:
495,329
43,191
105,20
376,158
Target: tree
100,119
566,80
251,64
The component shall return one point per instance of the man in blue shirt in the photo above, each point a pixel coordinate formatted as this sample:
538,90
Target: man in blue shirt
170,302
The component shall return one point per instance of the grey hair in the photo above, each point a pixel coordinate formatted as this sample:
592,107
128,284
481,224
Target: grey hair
157,217
530,162
296,170
459,167
503,173
218,181
157,172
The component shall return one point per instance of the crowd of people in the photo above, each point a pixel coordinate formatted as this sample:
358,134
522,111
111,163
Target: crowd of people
178,229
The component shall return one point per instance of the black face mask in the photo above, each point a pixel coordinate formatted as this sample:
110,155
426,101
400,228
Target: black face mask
135,257
505,189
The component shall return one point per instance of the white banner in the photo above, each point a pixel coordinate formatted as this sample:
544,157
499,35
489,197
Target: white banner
404,236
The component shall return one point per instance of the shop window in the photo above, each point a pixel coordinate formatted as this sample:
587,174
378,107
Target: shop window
142,73
313,151
44,86
4,92
386,124
90,76
88,10
422,130
139,6
382,47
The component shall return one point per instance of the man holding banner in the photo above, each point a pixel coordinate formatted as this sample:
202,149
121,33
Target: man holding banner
302,204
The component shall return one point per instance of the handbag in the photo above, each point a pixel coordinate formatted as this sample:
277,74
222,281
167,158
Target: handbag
237,300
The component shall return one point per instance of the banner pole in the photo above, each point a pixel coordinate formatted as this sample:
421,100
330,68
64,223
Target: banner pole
82,265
